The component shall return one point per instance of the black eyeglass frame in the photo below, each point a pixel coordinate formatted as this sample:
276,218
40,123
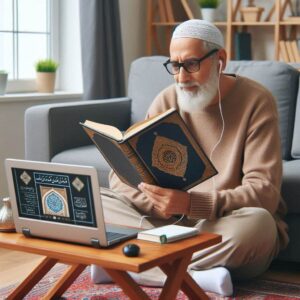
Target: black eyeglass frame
199,60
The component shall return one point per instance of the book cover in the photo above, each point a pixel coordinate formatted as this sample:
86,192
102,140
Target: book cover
242,45
167,234
160,151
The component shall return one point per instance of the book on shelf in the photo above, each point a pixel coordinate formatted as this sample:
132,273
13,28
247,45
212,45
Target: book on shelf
160,150
242,45
167,234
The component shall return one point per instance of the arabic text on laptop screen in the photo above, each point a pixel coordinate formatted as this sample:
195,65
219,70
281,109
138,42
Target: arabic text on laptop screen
56,197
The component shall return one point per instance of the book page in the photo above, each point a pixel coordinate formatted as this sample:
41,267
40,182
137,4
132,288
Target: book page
143,124
107,130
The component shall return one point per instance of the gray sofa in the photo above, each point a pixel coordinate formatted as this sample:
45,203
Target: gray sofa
52,132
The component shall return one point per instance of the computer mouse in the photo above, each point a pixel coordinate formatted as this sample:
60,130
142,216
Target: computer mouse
131,250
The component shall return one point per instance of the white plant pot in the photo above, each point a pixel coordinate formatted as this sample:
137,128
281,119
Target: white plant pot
208,14
3,83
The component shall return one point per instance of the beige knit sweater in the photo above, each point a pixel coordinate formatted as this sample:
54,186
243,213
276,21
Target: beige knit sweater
248,158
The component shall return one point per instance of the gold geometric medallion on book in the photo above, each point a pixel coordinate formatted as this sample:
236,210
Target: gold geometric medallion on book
54,201
169,156
25,177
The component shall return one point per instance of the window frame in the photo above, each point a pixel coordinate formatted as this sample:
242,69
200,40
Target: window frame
29,85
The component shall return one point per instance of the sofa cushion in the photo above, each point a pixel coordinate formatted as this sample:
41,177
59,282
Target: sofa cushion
290,185
87,156
115,112
281,80
147,78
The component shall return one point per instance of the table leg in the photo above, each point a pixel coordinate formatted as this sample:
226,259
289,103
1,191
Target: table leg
175,274
188,286
177,278
128,285
32,279
192,289
64,281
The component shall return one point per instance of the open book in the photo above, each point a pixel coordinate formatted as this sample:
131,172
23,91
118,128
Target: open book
167,233
160,150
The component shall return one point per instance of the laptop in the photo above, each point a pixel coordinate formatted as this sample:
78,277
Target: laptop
60,202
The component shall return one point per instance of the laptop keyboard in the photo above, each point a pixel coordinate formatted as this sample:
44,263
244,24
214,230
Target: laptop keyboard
114,235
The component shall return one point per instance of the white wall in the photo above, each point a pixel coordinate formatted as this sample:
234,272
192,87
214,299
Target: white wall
133,27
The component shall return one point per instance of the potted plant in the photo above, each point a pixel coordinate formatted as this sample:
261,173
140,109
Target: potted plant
208,9
251,13
45,75
3,81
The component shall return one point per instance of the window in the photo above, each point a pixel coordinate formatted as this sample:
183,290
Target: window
27,34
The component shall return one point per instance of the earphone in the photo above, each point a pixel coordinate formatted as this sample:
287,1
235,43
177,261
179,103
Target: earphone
221,65
145,216
223,121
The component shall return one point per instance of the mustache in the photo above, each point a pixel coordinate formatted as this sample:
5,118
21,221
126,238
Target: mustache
188,84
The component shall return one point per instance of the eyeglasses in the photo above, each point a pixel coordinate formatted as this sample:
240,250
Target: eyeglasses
190,65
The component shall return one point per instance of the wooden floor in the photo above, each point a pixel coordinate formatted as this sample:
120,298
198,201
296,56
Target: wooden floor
15,266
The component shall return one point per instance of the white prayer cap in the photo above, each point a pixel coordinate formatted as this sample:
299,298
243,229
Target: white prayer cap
199,29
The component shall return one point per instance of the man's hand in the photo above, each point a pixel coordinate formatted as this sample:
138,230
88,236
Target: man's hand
166,202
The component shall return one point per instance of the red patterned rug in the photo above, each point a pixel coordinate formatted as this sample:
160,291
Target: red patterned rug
84,289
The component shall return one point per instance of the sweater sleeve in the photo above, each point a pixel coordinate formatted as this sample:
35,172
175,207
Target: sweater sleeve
260,175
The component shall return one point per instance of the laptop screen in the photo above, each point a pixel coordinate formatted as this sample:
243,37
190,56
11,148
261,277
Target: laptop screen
53,196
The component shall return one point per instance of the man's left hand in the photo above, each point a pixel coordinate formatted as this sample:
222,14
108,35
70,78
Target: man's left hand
167,201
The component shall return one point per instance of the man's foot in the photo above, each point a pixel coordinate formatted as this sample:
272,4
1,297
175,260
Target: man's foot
216,280
98,275
148,278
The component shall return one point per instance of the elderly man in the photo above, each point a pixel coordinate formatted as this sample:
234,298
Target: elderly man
235,120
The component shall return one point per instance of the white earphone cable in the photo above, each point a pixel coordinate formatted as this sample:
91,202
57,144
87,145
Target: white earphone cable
223,124
145,216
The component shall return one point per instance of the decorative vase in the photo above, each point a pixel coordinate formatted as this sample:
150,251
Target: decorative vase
6,217
208,14
45,82
3,83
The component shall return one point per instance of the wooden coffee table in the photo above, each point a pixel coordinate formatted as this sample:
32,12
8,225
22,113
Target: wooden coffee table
173,259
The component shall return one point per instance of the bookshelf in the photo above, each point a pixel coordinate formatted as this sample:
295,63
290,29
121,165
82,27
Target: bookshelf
160,15
161,20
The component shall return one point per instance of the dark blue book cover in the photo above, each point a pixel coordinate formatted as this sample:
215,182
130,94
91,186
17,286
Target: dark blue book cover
171,154
242,46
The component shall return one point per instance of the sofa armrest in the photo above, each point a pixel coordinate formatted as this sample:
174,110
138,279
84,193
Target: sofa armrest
52,128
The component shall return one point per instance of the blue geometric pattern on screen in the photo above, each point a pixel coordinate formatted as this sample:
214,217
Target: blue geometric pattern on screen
54,202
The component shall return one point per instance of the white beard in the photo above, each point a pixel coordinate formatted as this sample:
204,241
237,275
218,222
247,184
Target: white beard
202,97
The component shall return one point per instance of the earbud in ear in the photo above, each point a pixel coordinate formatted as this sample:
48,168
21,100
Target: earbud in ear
220,66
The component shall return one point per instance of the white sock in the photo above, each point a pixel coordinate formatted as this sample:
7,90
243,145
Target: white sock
99,275
216,280
143,279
